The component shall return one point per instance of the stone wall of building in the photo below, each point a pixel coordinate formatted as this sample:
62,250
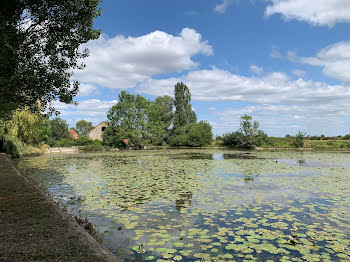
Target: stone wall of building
96,133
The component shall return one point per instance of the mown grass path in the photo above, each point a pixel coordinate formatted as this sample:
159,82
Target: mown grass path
32,228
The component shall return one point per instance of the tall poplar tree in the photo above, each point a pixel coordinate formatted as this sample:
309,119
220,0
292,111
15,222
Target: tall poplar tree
184,114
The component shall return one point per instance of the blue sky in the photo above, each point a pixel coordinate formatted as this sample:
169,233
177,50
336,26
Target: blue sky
285,62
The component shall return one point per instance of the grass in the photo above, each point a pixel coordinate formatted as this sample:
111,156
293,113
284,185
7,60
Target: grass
281,142
31,229
328,144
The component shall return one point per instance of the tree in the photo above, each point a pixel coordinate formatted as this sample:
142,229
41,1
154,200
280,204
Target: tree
248,136
184,114
44,131
24,126
59,129
298,140
194,135
199,134
83,127
40,42
111,137
129,118
160,117
235,139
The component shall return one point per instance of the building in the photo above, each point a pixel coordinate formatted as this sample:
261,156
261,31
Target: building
96,133
73,134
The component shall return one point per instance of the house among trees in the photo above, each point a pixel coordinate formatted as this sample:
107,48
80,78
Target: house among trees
96,133
73,134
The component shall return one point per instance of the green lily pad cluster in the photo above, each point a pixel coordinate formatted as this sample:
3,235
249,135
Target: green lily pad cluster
206,205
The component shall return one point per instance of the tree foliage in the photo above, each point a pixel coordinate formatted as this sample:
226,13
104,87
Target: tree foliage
184,114
24,126
59,129
21,134
194,135
160,117
248,136
129,118
298,140
83,127
111,137
40,42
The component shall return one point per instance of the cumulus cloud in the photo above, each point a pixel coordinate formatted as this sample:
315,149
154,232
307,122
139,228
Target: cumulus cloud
283,119
89,108
222,7
121,62
220,85
315,12
335,60
86,89
279,102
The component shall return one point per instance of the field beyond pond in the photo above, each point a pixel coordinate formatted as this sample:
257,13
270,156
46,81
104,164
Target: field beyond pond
206,204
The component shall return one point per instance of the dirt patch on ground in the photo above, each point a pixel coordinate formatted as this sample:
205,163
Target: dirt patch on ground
32,228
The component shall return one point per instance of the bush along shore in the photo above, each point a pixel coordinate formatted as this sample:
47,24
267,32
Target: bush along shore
136,123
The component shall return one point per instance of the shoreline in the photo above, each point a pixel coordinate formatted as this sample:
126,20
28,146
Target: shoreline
43,214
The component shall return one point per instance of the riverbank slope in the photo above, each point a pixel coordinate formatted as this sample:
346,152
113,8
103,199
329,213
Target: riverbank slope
33,228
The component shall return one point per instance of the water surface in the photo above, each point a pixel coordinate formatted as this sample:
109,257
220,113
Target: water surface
206,205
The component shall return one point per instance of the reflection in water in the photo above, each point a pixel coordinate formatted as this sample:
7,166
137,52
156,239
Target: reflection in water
184,201
248,178
302,162
216,205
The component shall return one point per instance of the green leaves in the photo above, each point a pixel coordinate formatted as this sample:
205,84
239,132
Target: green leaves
184,114
165,205
248,136
83,127
128,119
40,42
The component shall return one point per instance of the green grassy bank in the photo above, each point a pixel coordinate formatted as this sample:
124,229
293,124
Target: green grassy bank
32,229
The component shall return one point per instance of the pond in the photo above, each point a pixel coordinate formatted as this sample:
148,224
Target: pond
206,205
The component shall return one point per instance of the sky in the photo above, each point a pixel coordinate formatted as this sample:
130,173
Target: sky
284,62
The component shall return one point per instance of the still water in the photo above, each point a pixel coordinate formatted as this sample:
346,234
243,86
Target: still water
206,205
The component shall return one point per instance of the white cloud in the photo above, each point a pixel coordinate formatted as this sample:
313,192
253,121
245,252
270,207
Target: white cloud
222,7
315,12
121,62
281,104
282,119
86,89
335,60
86,108
220,85
256,69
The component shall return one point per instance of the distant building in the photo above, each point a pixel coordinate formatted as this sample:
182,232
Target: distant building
73,134
96,133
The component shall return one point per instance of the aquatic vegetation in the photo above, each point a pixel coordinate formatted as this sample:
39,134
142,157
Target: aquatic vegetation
207,205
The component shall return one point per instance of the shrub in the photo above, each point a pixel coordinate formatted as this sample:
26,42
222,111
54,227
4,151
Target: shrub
113,138
260,138
194,135
15,148
235,139
95,145
248,136
65,142
83,141
298,140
